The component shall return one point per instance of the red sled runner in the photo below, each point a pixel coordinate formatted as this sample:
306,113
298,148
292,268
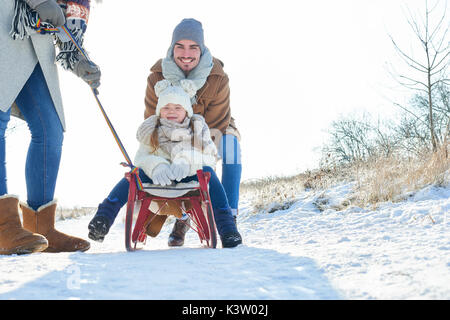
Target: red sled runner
153,210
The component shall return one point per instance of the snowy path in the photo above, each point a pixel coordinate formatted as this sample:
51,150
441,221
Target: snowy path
107,271
400,251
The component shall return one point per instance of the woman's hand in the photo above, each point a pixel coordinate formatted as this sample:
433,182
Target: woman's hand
88,71
50,11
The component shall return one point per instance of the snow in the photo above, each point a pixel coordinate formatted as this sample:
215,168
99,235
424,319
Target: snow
394,251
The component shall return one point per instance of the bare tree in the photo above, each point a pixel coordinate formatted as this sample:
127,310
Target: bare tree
354,139
413,130
430,69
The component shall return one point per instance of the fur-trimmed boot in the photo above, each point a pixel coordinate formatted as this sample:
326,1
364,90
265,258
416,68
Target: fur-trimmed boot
14,239
42,221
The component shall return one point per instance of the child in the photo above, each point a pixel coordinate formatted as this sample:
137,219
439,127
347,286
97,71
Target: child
174,144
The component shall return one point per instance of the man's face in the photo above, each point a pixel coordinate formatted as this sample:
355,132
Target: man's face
186,54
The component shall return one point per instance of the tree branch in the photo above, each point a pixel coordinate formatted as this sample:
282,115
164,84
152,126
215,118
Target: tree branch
407,57
411,113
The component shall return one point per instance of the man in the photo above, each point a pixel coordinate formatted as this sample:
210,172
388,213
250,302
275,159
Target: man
29,89
189,58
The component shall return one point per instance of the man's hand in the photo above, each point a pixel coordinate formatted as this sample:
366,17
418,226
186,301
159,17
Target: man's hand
88,71
50,11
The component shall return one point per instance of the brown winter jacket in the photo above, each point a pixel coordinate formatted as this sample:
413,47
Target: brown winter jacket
213,99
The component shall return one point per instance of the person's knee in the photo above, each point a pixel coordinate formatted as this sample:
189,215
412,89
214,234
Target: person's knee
55,137
207,169
50,134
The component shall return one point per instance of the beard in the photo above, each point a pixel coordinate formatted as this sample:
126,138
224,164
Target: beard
186,66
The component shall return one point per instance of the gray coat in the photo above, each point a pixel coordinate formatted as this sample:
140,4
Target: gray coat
18,59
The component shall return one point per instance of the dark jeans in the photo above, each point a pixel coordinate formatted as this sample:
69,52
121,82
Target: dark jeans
44,152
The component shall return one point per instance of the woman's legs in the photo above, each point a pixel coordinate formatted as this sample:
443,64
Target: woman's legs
44,152
42,164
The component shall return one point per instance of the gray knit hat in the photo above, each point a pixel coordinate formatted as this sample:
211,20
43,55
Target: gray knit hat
189,29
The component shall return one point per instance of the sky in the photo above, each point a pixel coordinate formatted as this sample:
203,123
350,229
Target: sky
294,67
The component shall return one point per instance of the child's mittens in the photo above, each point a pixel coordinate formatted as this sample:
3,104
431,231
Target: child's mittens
162,175
180,169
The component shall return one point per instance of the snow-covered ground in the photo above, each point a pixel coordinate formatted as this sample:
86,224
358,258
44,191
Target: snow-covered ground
397,251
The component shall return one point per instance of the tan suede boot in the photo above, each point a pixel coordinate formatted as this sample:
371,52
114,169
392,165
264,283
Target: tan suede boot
42,221
13,238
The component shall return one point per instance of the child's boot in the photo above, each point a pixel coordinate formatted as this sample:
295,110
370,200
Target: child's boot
103,219
98,228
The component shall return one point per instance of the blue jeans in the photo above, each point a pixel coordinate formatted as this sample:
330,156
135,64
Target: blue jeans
44,152
230,152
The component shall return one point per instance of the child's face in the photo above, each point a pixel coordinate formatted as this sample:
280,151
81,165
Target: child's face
173,112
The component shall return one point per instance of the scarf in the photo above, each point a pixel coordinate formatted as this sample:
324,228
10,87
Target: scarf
175,138
25,23
198,75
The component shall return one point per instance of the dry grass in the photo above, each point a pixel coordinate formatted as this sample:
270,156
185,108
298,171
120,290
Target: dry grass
279,193
69,213
393,178
377,180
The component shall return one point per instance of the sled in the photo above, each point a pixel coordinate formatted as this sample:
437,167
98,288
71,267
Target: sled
154,204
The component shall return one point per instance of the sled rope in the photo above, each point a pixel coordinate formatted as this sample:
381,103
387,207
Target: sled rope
41,28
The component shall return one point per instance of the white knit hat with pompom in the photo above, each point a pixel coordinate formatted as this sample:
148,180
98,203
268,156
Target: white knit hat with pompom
181,95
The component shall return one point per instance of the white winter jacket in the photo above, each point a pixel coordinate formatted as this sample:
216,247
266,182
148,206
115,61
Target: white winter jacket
175,144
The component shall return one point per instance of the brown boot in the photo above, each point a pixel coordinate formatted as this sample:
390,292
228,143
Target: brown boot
42,221
176,238
13,238
155,226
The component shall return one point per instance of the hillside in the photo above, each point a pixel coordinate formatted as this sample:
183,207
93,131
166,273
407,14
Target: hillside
310,249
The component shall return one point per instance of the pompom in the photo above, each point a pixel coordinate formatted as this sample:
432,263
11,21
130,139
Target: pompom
189,87
160,86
